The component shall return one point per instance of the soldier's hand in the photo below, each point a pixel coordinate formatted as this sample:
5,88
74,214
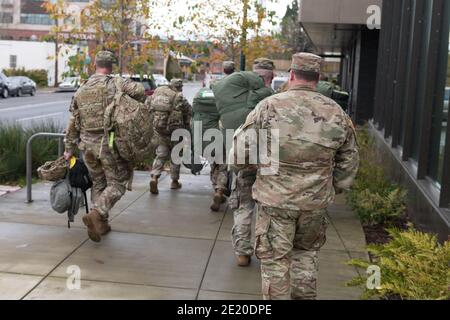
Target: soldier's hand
68,155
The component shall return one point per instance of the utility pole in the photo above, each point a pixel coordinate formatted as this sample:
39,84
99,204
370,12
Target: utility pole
121,38
56,50
244,34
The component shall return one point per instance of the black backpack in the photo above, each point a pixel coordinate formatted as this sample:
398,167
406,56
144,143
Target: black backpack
80,178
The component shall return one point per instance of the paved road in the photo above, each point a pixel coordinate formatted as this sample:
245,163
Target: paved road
48,107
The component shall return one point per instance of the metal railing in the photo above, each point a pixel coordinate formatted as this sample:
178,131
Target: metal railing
29,155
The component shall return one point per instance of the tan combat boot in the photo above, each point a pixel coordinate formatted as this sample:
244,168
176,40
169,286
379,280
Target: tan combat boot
218,199
95,225
175,185
105,228
243,261
154,185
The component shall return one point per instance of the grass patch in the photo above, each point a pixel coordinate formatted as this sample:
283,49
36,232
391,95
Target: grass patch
13,140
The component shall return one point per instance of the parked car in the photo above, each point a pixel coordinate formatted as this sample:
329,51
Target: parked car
277,82
160,80
69,84
446,103
148,83
22,85
5,84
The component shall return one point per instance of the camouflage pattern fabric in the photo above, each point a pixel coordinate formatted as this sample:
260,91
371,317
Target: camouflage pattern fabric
242,203
219,176
318,150
163,152
287,243
109,172
318,157
164,103
307,62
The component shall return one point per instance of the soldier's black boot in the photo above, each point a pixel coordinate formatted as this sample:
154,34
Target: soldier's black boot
154,185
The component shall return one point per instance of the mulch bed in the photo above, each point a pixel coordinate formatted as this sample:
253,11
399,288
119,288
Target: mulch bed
377,234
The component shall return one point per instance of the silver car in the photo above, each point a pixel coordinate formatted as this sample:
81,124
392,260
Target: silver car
69,84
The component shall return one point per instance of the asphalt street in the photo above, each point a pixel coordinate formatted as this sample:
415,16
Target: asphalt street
52,107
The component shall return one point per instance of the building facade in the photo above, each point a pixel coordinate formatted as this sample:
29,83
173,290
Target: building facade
28,20
398,77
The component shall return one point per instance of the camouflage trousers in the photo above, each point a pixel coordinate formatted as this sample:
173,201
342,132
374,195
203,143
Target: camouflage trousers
110,173
219,176
163,152
287,243
241,201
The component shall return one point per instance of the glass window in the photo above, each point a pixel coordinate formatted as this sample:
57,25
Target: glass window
33,18
6,17
440,123
421,84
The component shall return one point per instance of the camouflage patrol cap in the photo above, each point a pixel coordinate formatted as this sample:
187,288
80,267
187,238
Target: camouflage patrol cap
308,62
264,64
229,65
105,59
53,170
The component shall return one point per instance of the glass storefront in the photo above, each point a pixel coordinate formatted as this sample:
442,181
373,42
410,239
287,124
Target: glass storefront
417,119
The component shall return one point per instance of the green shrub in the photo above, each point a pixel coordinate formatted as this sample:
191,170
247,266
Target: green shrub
13,139
414,266
373,197
37,75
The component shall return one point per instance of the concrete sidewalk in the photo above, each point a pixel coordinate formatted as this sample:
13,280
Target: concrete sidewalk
163,247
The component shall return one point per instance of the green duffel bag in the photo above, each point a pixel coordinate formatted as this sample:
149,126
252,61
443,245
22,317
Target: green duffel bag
326,88
237,95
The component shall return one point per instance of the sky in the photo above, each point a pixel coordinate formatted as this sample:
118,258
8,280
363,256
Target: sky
161,16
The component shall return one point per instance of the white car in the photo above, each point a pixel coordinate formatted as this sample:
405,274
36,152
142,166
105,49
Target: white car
277,82
69,84
160,80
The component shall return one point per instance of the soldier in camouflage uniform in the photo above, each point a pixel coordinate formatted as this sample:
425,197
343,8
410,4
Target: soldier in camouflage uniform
168,106
109,172
241,196
318,158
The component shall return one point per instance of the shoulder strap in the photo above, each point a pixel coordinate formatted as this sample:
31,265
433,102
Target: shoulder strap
109,111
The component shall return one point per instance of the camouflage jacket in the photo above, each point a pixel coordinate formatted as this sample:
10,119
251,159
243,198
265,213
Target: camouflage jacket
317,150
80,119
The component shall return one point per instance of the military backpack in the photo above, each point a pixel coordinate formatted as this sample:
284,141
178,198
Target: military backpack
127,126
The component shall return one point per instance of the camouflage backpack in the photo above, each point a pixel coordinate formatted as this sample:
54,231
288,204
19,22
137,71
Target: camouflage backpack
127,125
166,115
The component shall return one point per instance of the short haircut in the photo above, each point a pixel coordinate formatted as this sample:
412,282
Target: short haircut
307,75
104,64
228,71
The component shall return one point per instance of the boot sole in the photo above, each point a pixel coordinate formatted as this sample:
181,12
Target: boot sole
106,232
154,187
176,188
216,204
92,232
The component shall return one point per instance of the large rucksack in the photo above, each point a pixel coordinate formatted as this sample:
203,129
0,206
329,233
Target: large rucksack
165,105
127,123
237,95
205,112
